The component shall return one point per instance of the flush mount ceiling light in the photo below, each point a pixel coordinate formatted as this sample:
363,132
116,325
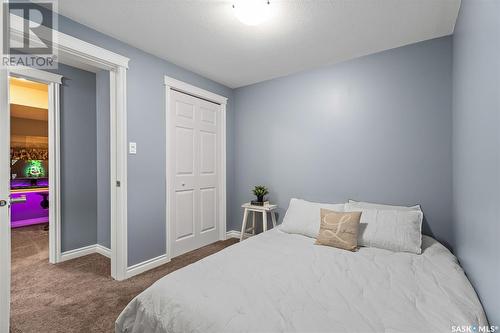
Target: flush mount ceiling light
252,12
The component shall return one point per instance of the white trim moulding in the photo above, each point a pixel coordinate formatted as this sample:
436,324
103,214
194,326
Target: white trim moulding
147,265
84,251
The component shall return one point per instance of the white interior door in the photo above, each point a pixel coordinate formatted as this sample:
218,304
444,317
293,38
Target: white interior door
4,193
195,163
4,201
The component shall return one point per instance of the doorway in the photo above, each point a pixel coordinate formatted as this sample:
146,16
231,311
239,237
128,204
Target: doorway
61,141
34,127
78,53
30,177
29,167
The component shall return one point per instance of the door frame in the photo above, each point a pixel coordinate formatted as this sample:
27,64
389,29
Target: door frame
71,49
177,85
75,51
53,82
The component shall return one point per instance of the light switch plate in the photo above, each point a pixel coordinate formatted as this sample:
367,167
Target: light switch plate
132,148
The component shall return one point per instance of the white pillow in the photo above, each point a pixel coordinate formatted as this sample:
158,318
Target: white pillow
395,230
303,217
370,205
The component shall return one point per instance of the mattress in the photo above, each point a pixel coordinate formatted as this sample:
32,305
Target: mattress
279,282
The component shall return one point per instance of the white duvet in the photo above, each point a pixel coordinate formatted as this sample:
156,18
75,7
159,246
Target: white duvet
279,282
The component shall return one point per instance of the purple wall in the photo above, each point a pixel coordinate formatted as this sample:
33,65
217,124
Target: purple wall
29,212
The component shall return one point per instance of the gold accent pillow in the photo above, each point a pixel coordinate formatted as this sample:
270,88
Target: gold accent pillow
339,229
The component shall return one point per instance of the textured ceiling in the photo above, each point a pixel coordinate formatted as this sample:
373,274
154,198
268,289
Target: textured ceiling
205,36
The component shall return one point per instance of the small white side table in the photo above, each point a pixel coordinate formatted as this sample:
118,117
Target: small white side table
257,209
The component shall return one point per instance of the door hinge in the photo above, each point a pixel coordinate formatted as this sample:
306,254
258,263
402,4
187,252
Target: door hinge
118,183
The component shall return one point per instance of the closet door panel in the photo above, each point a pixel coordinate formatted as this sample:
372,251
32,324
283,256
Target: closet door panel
194,145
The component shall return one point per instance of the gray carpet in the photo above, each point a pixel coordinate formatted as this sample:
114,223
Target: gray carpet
77,295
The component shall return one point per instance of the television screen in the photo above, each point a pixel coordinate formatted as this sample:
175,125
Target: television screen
29,169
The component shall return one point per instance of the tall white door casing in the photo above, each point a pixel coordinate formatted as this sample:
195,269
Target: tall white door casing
4,194
194,137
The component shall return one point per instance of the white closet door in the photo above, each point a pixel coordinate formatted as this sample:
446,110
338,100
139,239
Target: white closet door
194,143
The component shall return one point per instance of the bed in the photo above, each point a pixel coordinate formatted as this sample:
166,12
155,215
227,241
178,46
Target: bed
280,282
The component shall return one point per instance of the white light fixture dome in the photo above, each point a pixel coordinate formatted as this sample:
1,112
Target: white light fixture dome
252,12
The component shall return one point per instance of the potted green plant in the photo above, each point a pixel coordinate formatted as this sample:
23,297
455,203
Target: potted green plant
260,191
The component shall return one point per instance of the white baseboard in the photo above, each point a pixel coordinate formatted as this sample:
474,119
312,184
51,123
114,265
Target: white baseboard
146,265
76,253
134,269
163,259
86,250
236,234
102,250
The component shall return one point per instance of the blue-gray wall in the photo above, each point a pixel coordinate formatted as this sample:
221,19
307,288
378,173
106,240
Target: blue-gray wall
476,148
103,160
376,128
146,126
78,158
